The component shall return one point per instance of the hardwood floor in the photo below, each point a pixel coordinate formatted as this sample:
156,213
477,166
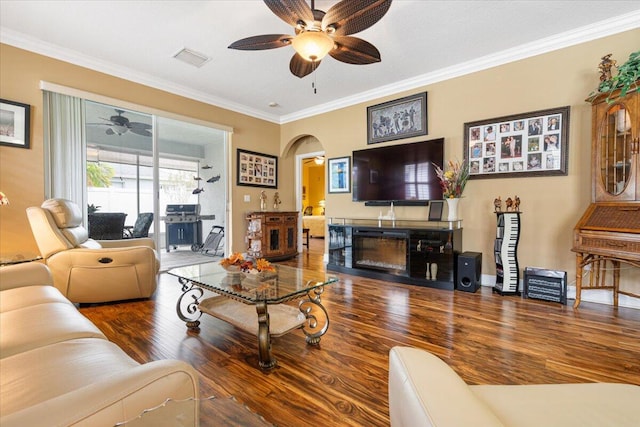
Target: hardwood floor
486,338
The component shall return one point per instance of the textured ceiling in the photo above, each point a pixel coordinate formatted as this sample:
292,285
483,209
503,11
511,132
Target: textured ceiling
420,42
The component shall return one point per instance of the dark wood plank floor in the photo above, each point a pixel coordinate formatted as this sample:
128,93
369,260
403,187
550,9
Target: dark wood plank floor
486,338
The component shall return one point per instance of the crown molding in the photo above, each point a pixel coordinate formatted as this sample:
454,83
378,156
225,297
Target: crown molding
577,36
22,41
584,34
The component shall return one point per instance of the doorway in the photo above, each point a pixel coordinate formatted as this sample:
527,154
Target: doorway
311,201
141,163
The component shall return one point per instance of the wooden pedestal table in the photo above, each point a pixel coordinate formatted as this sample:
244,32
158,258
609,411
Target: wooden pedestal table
256,304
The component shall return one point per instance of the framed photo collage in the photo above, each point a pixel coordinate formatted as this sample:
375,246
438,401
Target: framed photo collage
527,144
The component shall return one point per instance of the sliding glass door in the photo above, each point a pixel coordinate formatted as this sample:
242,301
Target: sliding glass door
124,174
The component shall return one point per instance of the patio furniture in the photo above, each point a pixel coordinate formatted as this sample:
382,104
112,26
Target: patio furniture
140,228
106,225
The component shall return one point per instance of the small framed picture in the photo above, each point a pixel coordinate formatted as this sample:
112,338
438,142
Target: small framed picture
14,123
339,175
435,210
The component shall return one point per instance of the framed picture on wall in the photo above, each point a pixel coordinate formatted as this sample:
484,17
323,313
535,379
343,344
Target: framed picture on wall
257,169
14,123
401,118
339,171
521,145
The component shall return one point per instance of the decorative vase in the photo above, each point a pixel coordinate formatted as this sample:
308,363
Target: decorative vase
452,204
623,121
434,271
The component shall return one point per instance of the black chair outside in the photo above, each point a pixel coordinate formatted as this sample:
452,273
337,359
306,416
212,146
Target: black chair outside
106,225
140,228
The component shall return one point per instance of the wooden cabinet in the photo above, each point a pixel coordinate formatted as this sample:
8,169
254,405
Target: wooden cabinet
615,145
608,234
272,235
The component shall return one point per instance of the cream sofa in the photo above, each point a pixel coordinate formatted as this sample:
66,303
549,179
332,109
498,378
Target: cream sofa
87,270
58,369
425,391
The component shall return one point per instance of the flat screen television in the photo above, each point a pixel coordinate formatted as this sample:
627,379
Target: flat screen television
401,173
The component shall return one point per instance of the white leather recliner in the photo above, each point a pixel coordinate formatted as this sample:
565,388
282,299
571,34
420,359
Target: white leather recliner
87,270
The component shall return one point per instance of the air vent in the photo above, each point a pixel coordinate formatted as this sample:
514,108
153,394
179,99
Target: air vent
191,57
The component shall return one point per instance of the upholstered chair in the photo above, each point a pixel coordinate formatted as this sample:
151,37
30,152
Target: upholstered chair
140,228
87,270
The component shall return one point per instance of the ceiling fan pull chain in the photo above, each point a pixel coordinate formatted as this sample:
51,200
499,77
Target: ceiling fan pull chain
313,84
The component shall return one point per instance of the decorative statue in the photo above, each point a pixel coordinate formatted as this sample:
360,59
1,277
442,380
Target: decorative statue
509,204
263,201
516,204
276,201
605,68
497,204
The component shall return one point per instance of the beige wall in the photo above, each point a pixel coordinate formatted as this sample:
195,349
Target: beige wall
21,171
551,205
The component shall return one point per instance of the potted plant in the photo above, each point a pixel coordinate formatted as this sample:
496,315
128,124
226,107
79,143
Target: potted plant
626,79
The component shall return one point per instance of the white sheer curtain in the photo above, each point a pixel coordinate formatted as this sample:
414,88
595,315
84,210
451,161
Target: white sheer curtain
65,148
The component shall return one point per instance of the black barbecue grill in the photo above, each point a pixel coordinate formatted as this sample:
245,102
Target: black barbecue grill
184,226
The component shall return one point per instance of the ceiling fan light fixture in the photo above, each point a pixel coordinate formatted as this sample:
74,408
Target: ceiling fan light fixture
312,45
319,160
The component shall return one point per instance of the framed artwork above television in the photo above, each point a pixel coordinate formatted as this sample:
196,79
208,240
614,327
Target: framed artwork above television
401,118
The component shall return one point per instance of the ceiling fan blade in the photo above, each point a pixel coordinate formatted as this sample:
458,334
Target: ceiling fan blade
141,132
291,11
353,16
300,67
353,50
266,41
139,128
138,125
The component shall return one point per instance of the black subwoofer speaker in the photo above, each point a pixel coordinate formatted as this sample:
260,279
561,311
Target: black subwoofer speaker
469,271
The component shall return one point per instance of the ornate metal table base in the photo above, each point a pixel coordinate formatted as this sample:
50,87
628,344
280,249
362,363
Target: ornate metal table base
315,325
316,315
187,306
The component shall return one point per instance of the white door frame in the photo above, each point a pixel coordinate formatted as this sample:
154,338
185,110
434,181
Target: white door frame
298,183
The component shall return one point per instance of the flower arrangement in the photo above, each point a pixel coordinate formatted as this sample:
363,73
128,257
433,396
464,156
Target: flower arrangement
453,180
246,266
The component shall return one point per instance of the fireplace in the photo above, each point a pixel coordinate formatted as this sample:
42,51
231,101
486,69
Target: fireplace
381,250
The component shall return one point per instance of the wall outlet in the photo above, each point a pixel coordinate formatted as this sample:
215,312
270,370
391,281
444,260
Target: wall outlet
247,198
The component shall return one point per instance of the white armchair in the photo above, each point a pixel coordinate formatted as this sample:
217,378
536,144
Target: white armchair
87,270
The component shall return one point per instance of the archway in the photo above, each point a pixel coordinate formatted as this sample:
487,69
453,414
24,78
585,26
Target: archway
310,188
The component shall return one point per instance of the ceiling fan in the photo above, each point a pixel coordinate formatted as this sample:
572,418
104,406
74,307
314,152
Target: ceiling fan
318,160
319,33
119,125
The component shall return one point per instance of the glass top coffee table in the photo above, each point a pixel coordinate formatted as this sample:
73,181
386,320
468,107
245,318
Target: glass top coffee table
256,303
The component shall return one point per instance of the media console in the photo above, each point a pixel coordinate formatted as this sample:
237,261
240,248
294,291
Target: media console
415,252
